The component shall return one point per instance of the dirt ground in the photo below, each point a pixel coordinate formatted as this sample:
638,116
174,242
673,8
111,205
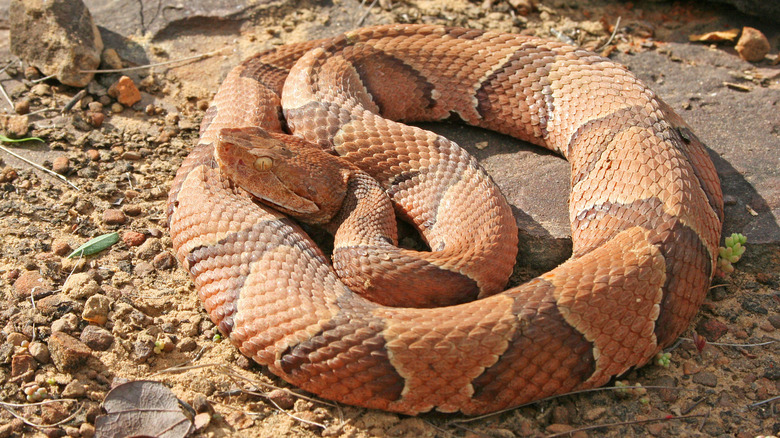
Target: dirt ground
155,328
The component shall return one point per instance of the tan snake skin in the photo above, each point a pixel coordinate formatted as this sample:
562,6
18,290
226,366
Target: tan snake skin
646,211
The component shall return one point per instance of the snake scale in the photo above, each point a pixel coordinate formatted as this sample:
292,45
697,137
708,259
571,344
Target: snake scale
645,207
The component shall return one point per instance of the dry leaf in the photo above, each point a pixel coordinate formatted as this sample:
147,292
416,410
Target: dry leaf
713,37
142,408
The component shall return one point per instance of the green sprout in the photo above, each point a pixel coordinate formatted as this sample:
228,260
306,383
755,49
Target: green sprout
731,253
663,359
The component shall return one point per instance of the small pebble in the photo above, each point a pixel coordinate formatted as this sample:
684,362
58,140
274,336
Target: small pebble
97,338
68,323
80,286
282,398
132,210
22,365
125,91
95,107
74,389
60,248
775,321
93,154
67,353
114,216
16,339
164,260
95,119
61,165
22,106
133,238
41,89
39,351
117,108
96,309
86,430
111,59
131,156
706,378
32,284
143,268
752,45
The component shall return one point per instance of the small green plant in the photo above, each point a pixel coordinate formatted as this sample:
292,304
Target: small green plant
663,359
731,253
217,338
158,346
626,390
35,393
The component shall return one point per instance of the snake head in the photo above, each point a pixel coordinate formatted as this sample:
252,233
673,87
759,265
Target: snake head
283,172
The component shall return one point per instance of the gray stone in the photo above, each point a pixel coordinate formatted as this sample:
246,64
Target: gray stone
58,37
97,338
762,8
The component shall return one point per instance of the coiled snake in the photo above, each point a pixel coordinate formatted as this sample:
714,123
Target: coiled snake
646,211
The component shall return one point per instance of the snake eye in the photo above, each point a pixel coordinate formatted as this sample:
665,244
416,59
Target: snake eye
263,164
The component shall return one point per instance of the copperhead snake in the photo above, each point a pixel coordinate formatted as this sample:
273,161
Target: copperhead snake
645,207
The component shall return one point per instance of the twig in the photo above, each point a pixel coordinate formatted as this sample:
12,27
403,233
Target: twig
727,344
2,70
614,32
39,167
762,402
365,14
68,106
45,78
157,64
624,423
42,110
7,97
7,407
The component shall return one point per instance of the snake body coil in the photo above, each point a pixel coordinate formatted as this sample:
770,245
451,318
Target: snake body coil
645,207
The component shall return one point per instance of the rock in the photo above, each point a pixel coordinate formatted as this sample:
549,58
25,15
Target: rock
67,352
114,216
31,284
60,248
149,249
143,268
74,389
712,329
752,45
22,106
706,378
133,238
164,260
55,305
80,285
39,351
96,309
133,210
22,364
86,430
775,321
282,398
68,323
761,8
58,37
16,339
125,91
111,59
61,165
14,126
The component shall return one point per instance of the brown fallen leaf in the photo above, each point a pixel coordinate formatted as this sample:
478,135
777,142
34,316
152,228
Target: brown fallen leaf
142,408
713,37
